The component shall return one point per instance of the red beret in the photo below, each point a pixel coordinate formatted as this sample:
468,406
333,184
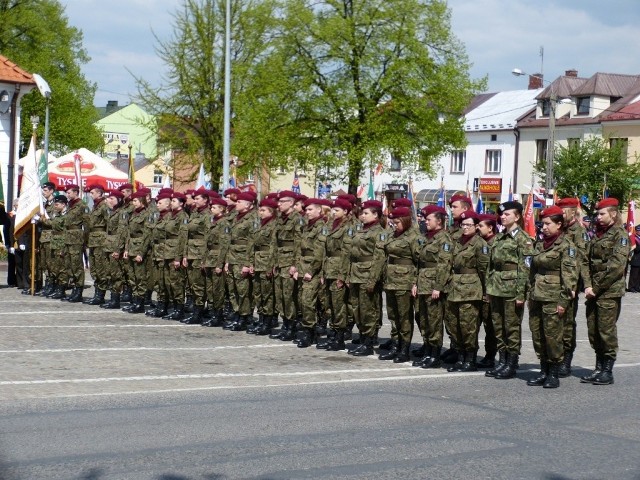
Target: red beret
190,191
552,210
313,201
343,204
246,196
138,194
488,217
402,202
165,190
125,185
348,197
115,193
213,194
301,198
469,214
72,186
201,191
163,195
144,190
269,202
374,204
568,203
325,202
253,194
231,191
287,194
460,198
179,196
607,202
218,201
400,212
429,209
94,186
272,195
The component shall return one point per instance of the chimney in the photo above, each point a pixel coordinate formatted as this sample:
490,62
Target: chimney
112,106
571,73
535,81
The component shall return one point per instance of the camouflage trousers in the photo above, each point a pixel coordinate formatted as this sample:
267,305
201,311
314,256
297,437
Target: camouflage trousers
174,280
400,311
569,326
507,324
241,290
462,323
115,272
44,259
546,331
98,267
74,265
196,279
286,294
214,286
308,301
337,299
139,276
602,319
264,294
366,308
431,319
490,342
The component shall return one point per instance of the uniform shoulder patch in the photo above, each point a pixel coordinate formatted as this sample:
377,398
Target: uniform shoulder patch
325,231
420,241
350,232
358,227
446,247
256,224
125,216
301,221
585,237
185,220
383,237
624,242
485,249
227,230
572,252
527,261
87,210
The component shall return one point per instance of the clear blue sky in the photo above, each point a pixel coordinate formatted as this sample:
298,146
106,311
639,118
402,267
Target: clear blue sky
588,35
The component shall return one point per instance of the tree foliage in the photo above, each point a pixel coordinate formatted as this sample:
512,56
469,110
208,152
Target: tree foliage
36,35
588,167
350,81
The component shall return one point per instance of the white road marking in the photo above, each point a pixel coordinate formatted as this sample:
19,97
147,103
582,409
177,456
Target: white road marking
179,325
146,349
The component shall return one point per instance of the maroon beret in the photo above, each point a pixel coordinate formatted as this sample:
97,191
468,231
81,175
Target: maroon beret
301,198
269,202
165,190
287,194
94,186
218,201
343,204
488,217
374,204
312,201
125,185
550,211
402,202
272,195
253,194
163,195
400,212
429,209
138,194
72,186
246,196
213,194
469,214
115,193
348,197
571,202
460,198
145,190
607,202
231,191
190,191
179,196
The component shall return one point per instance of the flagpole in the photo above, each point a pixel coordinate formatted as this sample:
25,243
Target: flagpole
226,151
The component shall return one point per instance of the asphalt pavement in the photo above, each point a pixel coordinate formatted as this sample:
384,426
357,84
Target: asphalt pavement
92,394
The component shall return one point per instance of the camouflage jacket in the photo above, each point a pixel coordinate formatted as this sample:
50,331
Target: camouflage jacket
401,272
337,249
74,222
288,234
553,271
116,231
138,234
264,247
577,235
45,229
367,257
240,242
157,233
199,223
213,255
508,273
175,228
311,250
603,267
469,269
435,256
56,224
97,224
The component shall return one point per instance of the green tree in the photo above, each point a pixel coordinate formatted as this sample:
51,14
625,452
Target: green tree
582,168
189,104
36,35
350,81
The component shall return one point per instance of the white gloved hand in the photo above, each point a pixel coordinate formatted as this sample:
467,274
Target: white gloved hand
23,247
12,250
35,218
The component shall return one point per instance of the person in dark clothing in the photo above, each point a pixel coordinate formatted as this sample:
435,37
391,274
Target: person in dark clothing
634,264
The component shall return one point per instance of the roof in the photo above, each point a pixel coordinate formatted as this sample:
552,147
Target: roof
606,85
563,87
12,73
501,110
123,163
630,111
476,101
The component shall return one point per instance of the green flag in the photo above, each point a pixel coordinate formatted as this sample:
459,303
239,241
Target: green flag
43,168
371,195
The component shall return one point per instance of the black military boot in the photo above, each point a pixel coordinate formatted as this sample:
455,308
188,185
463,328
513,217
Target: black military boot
177,314
426,356
48,287
542,376
457,367
488,361
275,334
552,377
160,311
388,344
434,360
338,342
195,318
403,353
594,374
265,326
326,342
365,348
113,303
419,352
391,354
605,377
69,295
254,326
450,355
126,296
564,369
59,293
147,297
98,298
137,306
321,325
348,333
188,304
231,319
241,324
509,371
76,296
469,364
289,334
307,337
502,361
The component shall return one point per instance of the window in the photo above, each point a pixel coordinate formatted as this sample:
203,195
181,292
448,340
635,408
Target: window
541,151
493,160
458,160
582,105
396,163
545,107
157,175
281,170
494,138
573,142
623,145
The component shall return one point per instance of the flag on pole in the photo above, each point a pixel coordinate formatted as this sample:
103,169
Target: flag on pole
529,221
468,192
410,197
360,192
295,185
510,192
631,223
232,177
480,204
77,161
132,172
371,194
605,189
201,181
43,168
442,201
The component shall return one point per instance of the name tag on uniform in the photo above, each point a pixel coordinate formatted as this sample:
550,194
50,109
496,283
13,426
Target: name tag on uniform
446,247
350,232
227,230
185,221
485,249
383,237
572,252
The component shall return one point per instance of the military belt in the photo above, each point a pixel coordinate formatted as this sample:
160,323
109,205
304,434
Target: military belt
196,237
334,255
262,248
98,229
555,273
306,252
136,236
428,264
240,242
400,261
366,258
285,243
74,229
465,271
510,267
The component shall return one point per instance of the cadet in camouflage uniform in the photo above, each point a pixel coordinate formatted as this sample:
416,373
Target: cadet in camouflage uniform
127,208
577,234
137,249
264,249
603,271
113,247
174,275
487,229
365,274
464,300
354,223
399,278
199,223
308,271
44,250
507,282
96,236
434,273
238,262
335,268
213,261
56,224
158,237
554,269
74,231
288,233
